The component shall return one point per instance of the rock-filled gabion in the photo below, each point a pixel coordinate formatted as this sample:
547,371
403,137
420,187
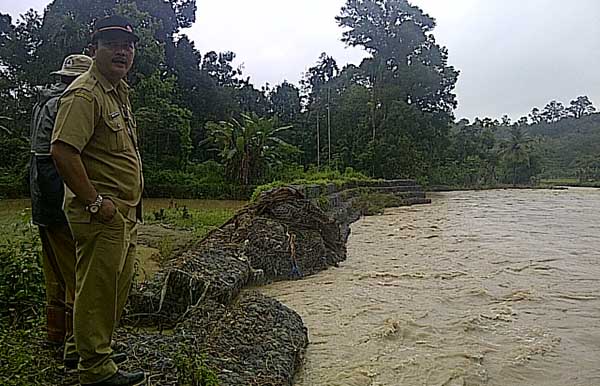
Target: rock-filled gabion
247,339
281,236
253,341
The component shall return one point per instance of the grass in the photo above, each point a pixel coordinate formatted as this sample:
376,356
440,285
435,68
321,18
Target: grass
9,207
195,216
371,204
559,181
13,214
314,177
198,216
151,204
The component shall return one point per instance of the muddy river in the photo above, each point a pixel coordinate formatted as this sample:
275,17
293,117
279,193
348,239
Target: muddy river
478,288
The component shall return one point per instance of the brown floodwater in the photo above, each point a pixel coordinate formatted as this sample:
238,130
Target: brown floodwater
479,288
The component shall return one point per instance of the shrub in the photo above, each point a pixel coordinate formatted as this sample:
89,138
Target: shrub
22,285
199,181
315,177
370,204
192,369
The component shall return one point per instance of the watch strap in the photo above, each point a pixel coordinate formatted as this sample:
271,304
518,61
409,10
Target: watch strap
97,203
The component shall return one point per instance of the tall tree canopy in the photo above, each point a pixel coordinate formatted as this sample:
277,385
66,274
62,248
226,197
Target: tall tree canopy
405,54
581,106
409,80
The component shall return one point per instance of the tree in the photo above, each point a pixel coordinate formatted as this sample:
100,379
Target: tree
580,107
347,104
286,102
166,127
251,100
518,156
398,35
486,122
197,90
314,84
20,69
407,68
523,121
218,66
67,25
472,154
554,112
35,46
318,75
535,116
588,168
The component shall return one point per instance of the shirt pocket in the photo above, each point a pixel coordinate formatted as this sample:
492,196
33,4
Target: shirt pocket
117,133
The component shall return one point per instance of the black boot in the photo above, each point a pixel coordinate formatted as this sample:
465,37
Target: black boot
72,361
121,378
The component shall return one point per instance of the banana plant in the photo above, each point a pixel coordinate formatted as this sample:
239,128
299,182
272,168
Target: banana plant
248,147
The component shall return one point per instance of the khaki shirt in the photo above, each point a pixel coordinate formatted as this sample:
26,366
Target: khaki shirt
95,118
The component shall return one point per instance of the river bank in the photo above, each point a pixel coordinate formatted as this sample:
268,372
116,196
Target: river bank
557,183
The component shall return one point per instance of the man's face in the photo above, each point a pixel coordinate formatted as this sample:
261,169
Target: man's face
114,57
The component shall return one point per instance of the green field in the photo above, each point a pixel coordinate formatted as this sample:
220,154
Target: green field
197,215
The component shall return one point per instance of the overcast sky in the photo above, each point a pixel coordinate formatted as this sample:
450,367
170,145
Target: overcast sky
512,54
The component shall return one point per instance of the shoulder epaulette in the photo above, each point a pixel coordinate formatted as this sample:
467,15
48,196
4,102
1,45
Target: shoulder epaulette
83,82
82,87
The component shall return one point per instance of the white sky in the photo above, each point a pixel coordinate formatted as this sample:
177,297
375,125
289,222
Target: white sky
512,54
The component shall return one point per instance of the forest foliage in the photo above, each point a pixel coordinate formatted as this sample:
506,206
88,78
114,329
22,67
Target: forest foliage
207,131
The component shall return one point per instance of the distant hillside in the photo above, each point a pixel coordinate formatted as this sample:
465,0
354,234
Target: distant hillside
564,145
566,127
566,142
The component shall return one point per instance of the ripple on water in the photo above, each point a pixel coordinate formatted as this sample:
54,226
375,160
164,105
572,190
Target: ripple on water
479,288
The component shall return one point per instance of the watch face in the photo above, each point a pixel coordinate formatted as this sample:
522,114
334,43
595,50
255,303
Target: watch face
94,209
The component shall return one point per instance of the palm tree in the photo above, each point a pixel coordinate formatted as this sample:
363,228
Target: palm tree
249,146
517,153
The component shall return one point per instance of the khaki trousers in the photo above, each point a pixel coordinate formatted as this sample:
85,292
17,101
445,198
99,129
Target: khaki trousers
58,253
104,272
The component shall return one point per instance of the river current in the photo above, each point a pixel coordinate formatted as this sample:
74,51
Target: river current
494,288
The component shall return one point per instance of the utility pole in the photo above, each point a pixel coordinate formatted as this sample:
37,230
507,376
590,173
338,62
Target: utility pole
318,140
328,127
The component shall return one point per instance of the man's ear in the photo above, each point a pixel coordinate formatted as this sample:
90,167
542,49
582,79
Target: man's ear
92,47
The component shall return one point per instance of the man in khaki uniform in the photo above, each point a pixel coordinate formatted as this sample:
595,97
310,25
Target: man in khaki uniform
95,147
47,193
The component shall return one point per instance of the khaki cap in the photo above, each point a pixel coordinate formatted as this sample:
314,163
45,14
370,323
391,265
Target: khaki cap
74,65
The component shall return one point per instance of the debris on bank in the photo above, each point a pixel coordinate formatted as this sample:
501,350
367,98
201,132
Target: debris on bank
281,236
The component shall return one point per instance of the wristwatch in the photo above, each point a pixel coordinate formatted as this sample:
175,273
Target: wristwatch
94,207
